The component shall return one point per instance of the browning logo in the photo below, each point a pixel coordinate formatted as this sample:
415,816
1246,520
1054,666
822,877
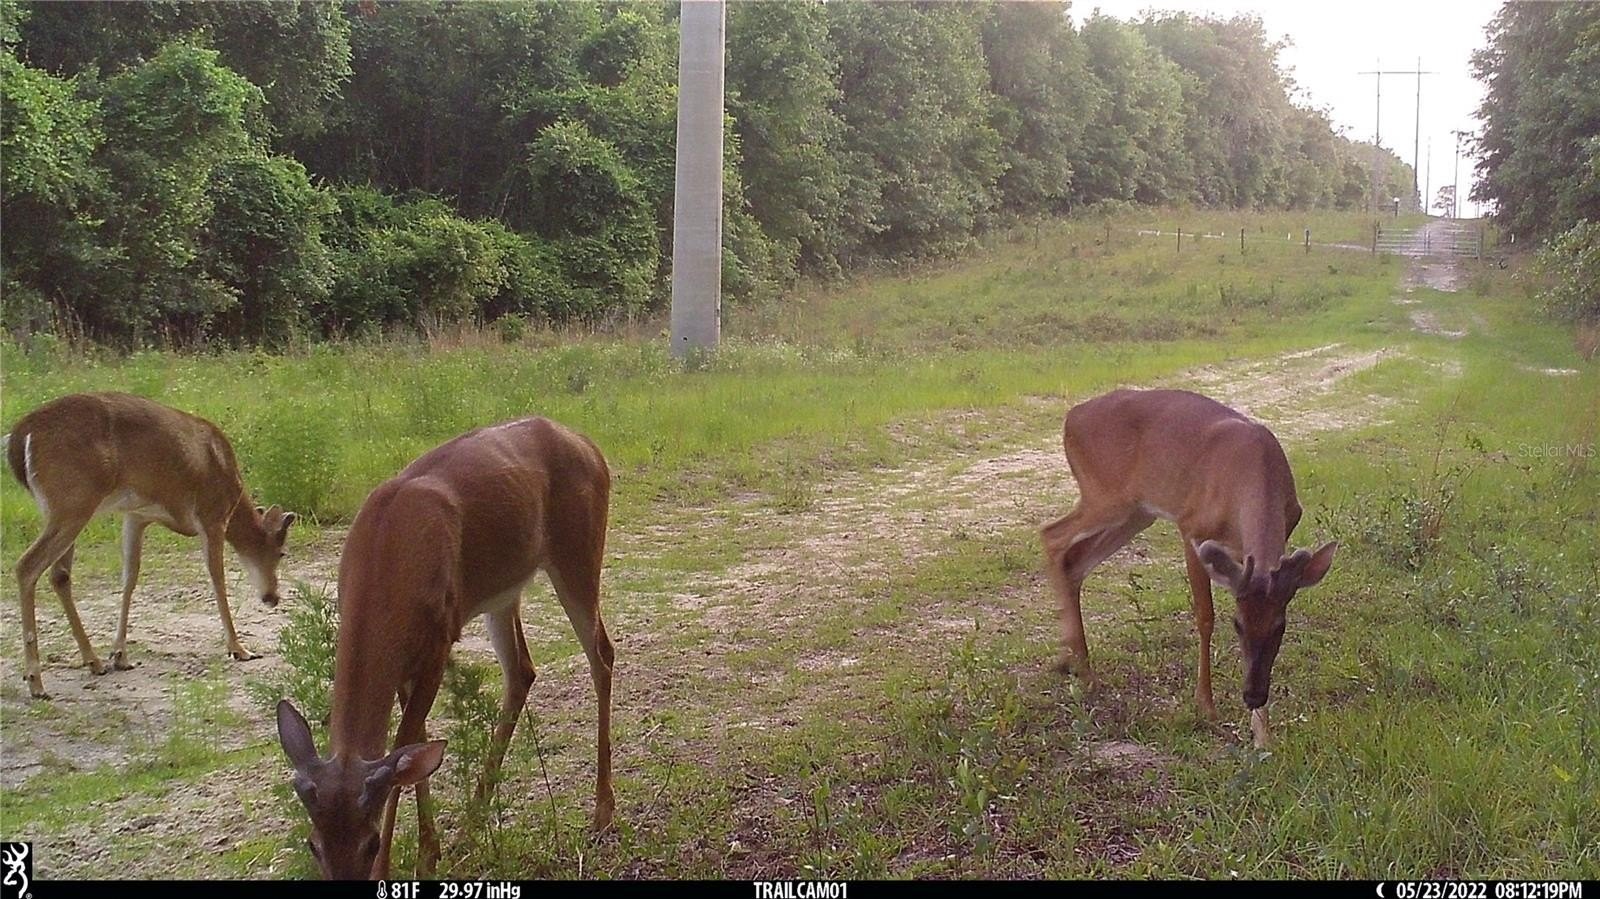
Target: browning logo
16,871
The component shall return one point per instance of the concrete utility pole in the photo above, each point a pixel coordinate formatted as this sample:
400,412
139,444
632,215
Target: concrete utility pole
697,192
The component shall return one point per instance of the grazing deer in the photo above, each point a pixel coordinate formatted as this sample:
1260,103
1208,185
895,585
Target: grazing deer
89,453
1139,455
459,533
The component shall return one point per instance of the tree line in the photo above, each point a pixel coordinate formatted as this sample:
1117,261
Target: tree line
1539,148
254,171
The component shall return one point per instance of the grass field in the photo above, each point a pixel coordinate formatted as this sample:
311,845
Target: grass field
834,642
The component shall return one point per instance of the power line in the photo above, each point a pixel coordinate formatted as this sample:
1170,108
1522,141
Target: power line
1377,129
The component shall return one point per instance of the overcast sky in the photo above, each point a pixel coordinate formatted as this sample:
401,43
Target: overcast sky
1333,40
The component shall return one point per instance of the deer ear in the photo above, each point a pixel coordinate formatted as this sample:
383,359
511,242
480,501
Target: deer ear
417,761
1317,567
282,533
401,768
1220,564
261,510
295,736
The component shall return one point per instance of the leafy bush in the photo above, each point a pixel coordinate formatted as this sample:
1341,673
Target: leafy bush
307,644
1570,263
264,243
438,268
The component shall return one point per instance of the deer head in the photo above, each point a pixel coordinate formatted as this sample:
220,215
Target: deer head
345,796
259,536
1263,600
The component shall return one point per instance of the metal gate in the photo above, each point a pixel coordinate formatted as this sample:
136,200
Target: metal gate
1444,237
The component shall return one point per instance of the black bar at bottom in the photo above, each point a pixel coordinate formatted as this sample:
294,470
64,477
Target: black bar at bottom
814,889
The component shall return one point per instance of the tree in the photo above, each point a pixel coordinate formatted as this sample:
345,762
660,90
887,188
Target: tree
1044,98
296,51
1444,202
1133,147
782,93
1539,152
48,137
169,123
922,154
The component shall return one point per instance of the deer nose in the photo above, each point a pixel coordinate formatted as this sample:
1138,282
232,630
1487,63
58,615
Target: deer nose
271,599
1255,699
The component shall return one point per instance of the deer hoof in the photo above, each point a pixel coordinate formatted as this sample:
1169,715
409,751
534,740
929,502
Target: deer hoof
36,688
119,661
240,654
98,668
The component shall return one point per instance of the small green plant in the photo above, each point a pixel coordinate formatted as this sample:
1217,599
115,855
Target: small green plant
290,453
307,644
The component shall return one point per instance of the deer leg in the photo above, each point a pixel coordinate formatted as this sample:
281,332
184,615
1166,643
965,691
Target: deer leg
415,701
213,547
56,538
61,581
1074,545
132,549
1200,592
578,587
505,632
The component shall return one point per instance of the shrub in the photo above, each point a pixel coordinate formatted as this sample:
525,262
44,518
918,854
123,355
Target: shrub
1570,265
289,453
307,645
264,243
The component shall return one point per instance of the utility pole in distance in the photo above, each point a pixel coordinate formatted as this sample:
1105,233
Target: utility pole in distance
1416,160
697,190
1455,202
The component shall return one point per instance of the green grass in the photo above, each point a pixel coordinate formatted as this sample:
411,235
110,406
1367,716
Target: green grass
1436,704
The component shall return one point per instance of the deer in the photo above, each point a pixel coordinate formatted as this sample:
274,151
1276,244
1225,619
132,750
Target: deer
86,454
1223,479
459,533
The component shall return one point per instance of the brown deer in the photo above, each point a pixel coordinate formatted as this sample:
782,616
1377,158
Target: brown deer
1139,455
459,533
85,454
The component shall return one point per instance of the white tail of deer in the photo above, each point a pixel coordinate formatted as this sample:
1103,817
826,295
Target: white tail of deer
459,533
1139,455
87,454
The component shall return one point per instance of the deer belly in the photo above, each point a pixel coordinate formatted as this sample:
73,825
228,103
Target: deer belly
500,601
128,502
1157,512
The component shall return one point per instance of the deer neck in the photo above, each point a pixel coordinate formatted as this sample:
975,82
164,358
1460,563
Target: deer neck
244,529
1261,527
395,594
365,683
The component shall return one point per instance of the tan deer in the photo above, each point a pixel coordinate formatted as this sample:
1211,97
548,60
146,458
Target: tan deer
1139,455
92,453
459,533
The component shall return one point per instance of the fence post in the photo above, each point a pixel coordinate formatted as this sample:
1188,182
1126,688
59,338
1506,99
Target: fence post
1480,241
1180,238
1108,235
1374,238
1241,241
1308,240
